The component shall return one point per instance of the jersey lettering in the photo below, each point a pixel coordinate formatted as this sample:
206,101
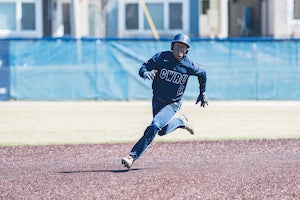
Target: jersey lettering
172,76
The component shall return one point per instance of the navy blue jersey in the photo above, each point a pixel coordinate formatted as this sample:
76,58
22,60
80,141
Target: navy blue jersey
172,75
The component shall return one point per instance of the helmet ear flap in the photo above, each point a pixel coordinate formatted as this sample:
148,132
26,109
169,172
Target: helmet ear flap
186,51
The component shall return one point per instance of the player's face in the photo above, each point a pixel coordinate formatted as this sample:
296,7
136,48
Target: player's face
179,50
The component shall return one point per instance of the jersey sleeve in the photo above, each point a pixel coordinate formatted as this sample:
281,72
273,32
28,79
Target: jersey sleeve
149,65
202,81
201,74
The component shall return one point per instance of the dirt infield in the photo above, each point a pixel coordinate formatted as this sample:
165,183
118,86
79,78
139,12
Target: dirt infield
233,169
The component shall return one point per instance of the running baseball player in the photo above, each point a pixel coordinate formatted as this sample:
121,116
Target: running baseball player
169,71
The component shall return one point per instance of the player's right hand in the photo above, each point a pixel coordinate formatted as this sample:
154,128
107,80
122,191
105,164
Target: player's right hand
150,74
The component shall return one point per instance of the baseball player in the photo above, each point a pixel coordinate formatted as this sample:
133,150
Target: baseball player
169,71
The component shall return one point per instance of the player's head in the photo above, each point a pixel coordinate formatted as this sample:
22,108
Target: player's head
181,38
180,45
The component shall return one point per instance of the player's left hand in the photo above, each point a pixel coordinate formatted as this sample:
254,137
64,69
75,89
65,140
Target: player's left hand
203,98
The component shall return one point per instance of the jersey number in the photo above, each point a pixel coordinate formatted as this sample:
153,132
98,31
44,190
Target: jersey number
180,90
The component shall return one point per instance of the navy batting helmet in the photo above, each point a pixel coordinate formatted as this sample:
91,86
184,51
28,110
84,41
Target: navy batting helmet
182,38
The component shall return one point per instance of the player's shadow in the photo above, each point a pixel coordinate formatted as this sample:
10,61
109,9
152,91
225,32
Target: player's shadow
99,171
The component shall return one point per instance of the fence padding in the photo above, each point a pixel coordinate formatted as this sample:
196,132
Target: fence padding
84,69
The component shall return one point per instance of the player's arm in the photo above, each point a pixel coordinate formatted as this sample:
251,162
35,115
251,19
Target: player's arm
202,81
201,74
147,70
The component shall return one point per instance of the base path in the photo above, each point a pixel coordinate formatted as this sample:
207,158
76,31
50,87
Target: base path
232,169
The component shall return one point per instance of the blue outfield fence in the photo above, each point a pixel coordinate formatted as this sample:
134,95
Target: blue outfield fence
107,69
4,70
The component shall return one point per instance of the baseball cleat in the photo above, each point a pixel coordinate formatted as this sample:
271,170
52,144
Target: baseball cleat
127,162
187,125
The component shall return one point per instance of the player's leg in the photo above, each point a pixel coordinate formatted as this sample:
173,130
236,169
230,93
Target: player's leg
160,120
160,125
177,122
